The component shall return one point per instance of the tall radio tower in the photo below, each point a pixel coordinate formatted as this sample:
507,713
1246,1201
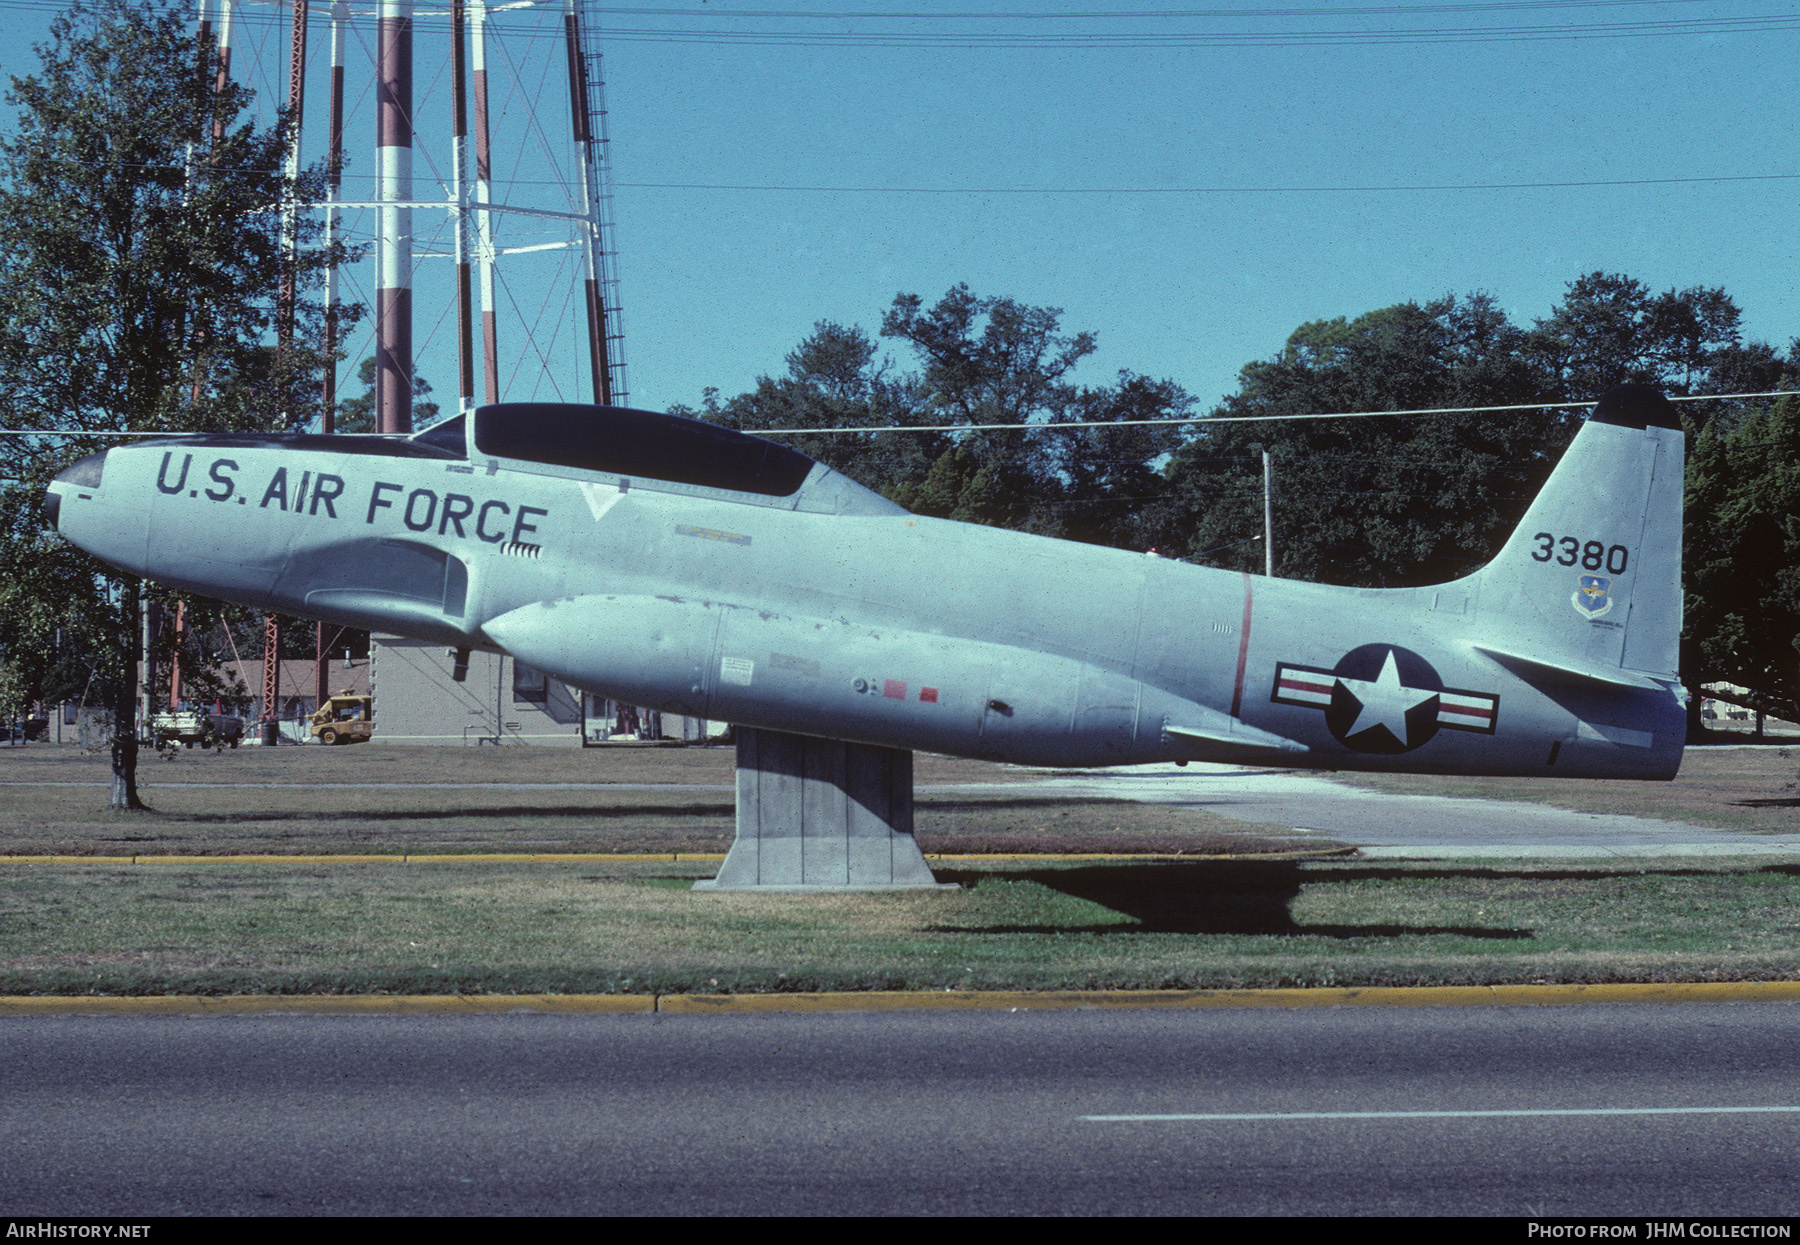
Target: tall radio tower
419,198
532,249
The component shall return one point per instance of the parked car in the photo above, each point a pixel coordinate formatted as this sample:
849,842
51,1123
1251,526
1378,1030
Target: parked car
344,719
189,727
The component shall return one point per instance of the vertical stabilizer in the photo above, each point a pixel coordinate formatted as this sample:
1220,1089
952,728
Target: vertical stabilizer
1592,575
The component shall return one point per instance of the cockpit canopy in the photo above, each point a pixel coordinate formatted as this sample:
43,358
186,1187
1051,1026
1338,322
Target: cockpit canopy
620,441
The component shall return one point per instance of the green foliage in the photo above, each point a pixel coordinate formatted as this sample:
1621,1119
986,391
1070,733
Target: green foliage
986,361
358,414
1371,502
834,381
1742,558
1610,329
141,259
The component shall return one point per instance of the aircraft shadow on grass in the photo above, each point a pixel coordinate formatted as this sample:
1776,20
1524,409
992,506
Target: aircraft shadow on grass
1202,897
1255,897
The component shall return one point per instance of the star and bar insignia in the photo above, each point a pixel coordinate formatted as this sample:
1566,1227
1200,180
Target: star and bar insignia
1383,698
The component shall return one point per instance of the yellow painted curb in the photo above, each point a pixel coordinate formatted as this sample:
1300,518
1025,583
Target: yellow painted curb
391,858
327,1004
1347,996
547,858
900,1000
273,858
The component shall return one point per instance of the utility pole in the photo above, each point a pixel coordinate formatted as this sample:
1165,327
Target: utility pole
1268,515
334,173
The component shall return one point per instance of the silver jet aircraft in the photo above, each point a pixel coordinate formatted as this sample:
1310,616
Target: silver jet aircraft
671,563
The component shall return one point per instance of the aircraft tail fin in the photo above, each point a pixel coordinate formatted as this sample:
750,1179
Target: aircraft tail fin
1592,574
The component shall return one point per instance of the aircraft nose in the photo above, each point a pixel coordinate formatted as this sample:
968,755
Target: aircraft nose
84,474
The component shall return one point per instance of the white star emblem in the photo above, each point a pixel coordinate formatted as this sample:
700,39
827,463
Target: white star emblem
1385,701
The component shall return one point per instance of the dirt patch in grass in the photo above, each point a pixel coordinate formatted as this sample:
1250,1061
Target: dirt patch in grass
384,763
370,799
1753,789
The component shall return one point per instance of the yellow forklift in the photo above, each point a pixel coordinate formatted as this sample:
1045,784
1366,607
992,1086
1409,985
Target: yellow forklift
345,719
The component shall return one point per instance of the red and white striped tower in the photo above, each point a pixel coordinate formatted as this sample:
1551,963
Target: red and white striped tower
222,75
459,172
203,37
484,194
393,190
334,175
334,172
290,191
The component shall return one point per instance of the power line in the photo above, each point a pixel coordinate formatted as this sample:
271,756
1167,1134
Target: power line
1250,419
1219,39
1207,190
277,11
1196,420
346,205
836,36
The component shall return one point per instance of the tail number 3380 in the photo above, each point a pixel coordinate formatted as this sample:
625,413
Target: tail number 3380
1568,550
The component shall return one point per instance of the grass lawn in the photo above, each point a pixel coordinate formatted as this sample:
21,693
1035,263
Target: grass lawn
572,928
442,926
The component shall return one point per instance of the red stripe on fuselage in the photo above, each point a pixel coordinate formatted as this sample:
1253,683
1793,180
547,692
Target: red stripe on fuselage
1237,690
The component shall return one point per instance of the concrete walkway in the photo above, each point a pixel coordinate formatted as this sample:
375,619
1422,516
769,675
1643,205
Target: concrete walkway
1412,826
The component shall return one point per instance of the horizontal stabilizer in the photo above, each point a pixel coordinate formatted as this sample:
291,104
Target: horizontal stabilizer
1562,669
1242,738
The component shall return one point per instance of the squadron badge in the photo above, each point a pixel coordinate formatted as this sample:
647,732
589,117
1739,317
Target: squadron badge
1593,595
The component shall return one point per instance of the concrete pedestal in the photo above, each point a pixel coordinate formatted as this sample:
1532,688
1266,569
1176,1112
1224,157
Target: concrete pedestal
821,814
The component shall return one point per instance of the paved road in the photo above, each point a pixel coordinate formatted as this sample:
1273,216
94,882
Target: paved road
908,1112
1415,826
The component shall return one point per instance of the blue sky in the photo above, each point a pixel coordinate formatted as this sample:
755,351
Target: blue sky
718,285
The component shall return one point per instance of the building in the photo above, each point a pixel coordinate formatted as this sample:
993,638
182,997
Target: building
1721,711
418,700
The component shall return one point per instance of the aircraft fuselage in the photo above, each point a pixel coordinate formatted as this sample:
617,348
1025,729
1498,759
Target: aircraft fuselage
831,612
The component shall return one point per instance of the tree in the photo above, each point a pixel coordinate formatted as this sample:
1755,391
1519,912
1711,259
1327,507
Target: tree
1111,476
986,361
990,361
1610,329
834,381
1741,621
1380,501
358,414
140,269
